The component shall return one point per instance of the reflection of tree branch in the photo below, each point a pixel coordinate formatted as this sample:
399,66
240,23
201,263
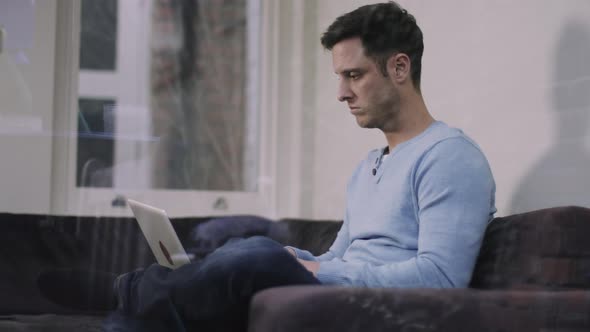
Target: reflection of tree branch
221,75
203,87
188,12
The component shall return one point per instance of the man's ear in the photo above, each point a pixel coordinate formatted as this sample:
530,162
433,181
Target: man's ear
398,67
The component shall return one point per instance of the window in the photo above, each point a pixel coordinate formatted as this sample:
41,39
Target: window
167,108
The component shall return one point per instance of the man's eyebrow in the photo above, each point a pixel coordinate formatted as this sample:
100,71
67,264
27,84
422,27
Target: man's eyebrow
348,71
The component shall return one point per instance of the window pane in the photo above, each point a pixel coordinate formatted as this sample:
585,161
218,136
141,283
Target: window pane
95,143
98,39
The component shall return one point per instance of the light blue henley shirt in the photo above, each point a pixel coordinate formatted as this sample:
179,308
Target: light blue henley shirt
419,221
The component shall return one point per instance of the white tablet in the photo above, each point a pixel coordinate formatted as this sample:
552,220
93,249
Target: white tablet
160,235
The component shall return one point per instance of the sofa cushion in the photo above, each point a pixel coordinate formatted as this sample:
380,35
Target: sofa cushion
542,249
328,308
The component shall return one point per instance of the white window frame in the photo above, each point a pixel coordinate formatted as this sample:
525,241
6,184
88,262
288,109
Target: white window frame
67,199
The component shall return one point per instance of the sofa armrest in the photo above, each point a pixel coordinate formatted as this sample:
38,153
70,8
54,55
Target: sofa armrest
328,308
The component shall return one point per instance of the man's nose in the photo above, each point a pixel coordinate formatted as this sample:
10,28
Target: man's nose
344,92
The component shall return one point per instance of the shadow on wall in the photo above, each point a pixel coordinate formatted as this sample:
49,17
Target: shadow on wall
562,175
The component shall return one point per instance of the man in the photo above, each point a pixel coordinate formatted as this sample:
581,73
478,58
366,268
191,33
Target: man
416,210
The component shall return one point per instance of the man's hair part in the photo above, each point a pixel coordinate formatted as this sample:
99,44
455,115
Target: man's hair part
384,29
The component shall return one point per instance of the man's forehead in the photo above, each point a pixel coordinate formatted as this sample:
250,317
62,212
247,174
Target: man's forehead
348,54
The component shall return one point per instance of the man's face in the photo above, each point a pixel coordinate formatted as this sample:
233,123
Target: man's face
372,98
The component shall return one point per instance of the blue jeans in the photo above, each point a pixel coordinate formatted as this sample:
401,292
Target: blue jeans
209,295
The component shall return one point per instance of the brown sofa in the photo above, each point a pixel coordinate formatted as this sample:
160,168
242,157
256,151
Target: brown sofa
532,274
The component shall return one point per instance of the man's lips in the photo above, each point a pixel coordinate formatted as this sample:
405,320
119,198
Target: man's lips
355,110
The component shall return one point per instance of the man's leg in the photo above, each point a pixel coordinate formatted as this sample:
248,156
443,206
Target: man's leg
214,289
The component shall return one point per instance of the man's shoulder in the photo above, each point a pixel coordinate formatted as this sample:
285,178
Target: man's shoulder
444,137
454,153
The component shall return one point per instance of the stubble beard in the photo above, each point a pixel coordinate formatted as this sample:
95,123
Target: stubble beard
384,115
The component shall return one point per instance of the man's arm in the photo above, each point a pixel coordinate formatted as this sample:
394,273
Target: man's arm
454,192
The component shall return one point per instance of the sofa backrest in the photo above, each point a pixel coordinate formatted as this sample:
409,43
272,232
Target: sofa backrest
32,244
542,249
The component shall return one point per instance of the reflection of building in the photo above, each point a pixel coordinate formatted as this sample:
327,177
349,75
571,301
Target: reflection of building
199,79
561,176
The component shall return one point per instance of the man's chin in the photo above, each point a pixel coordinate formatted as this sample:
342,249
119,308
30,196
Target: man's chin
364,124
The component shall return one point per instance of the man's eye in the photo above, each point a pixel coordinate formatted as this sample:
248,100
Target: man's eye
354,76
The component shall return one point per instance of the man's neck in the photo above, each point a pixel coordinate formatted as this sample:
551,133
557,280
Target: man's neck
413,119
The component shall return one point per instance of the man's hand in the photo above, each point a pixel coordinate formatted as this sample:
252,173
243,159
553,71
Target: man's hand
291,251
312,267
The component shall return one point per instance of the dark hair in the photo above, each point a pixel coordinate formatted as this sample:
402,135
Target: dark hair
384,29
